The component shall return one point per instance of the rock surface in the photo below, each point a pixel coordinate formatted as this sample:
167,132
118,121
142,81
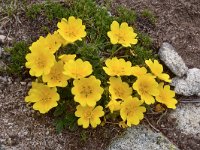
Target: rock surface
172,60
188,118
190,85
141,138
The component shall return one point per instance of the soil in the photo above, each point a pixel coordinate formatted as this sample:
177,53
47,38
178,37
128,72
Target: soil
177,22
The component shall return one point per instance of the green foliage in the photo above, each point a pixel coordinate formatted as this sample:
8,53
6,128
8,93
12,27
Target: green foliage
95,48
49,9
17,58
149,15
126,15
34,10
140,54
145,40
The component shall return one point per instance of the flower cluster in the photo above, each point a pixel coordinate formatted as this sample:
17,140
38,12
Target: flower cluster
128,87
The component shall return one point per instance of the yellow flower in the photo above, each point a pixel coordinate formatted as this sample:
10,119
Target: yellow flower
138,71
122,124
114,105
166,96
119,89
51,42
65,58
72,29
132,111
157,69
117,67
122,34
39,62
89,115
147,87
60,38
43,97
77,68
87,91
56,76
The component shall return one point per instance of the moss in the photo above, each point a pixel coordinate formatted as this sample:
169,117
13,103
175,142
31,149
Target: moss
16,65
148,15
126,15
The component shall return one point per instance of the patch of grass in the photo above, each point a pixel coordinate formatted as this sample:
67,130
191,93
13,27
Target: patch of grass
126,15
149,15
16,65
11,8
145,40
34,10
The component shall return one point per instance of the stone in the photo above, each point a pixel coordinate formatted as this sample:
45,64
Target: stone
4,38
193,77
23,83
141,138
188,86
182,87
172,60
187,118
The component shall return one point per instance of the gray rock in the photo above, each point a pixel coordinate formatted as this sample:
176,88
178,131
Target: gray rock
172,60
187,118
182,87
141,138
193,77
4,38
188,86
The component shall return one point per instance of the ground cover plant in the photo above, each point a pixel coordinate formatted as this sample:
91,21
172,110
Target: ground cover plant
95,68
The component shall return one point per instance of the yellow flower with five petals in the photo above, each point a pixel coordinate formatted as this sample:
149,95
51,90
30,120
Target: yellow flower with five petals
122,34
118,67
72,29
157,70
89,115
119,89
132,111
56,76
50,42
40,62
87,91
43,97
166,96
77,69
147,87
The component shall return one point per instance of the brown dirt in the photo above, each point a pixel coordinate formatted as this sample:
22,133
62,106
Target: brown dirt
177,22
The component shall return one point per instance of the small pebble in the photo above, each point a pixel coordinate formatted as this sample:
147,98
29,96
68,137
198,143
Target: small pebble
23,83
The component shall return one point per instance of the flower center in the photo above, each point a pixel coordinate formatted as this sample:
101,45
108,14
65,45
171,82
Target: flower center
40,63
144,88
119,92
88,114
86,91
